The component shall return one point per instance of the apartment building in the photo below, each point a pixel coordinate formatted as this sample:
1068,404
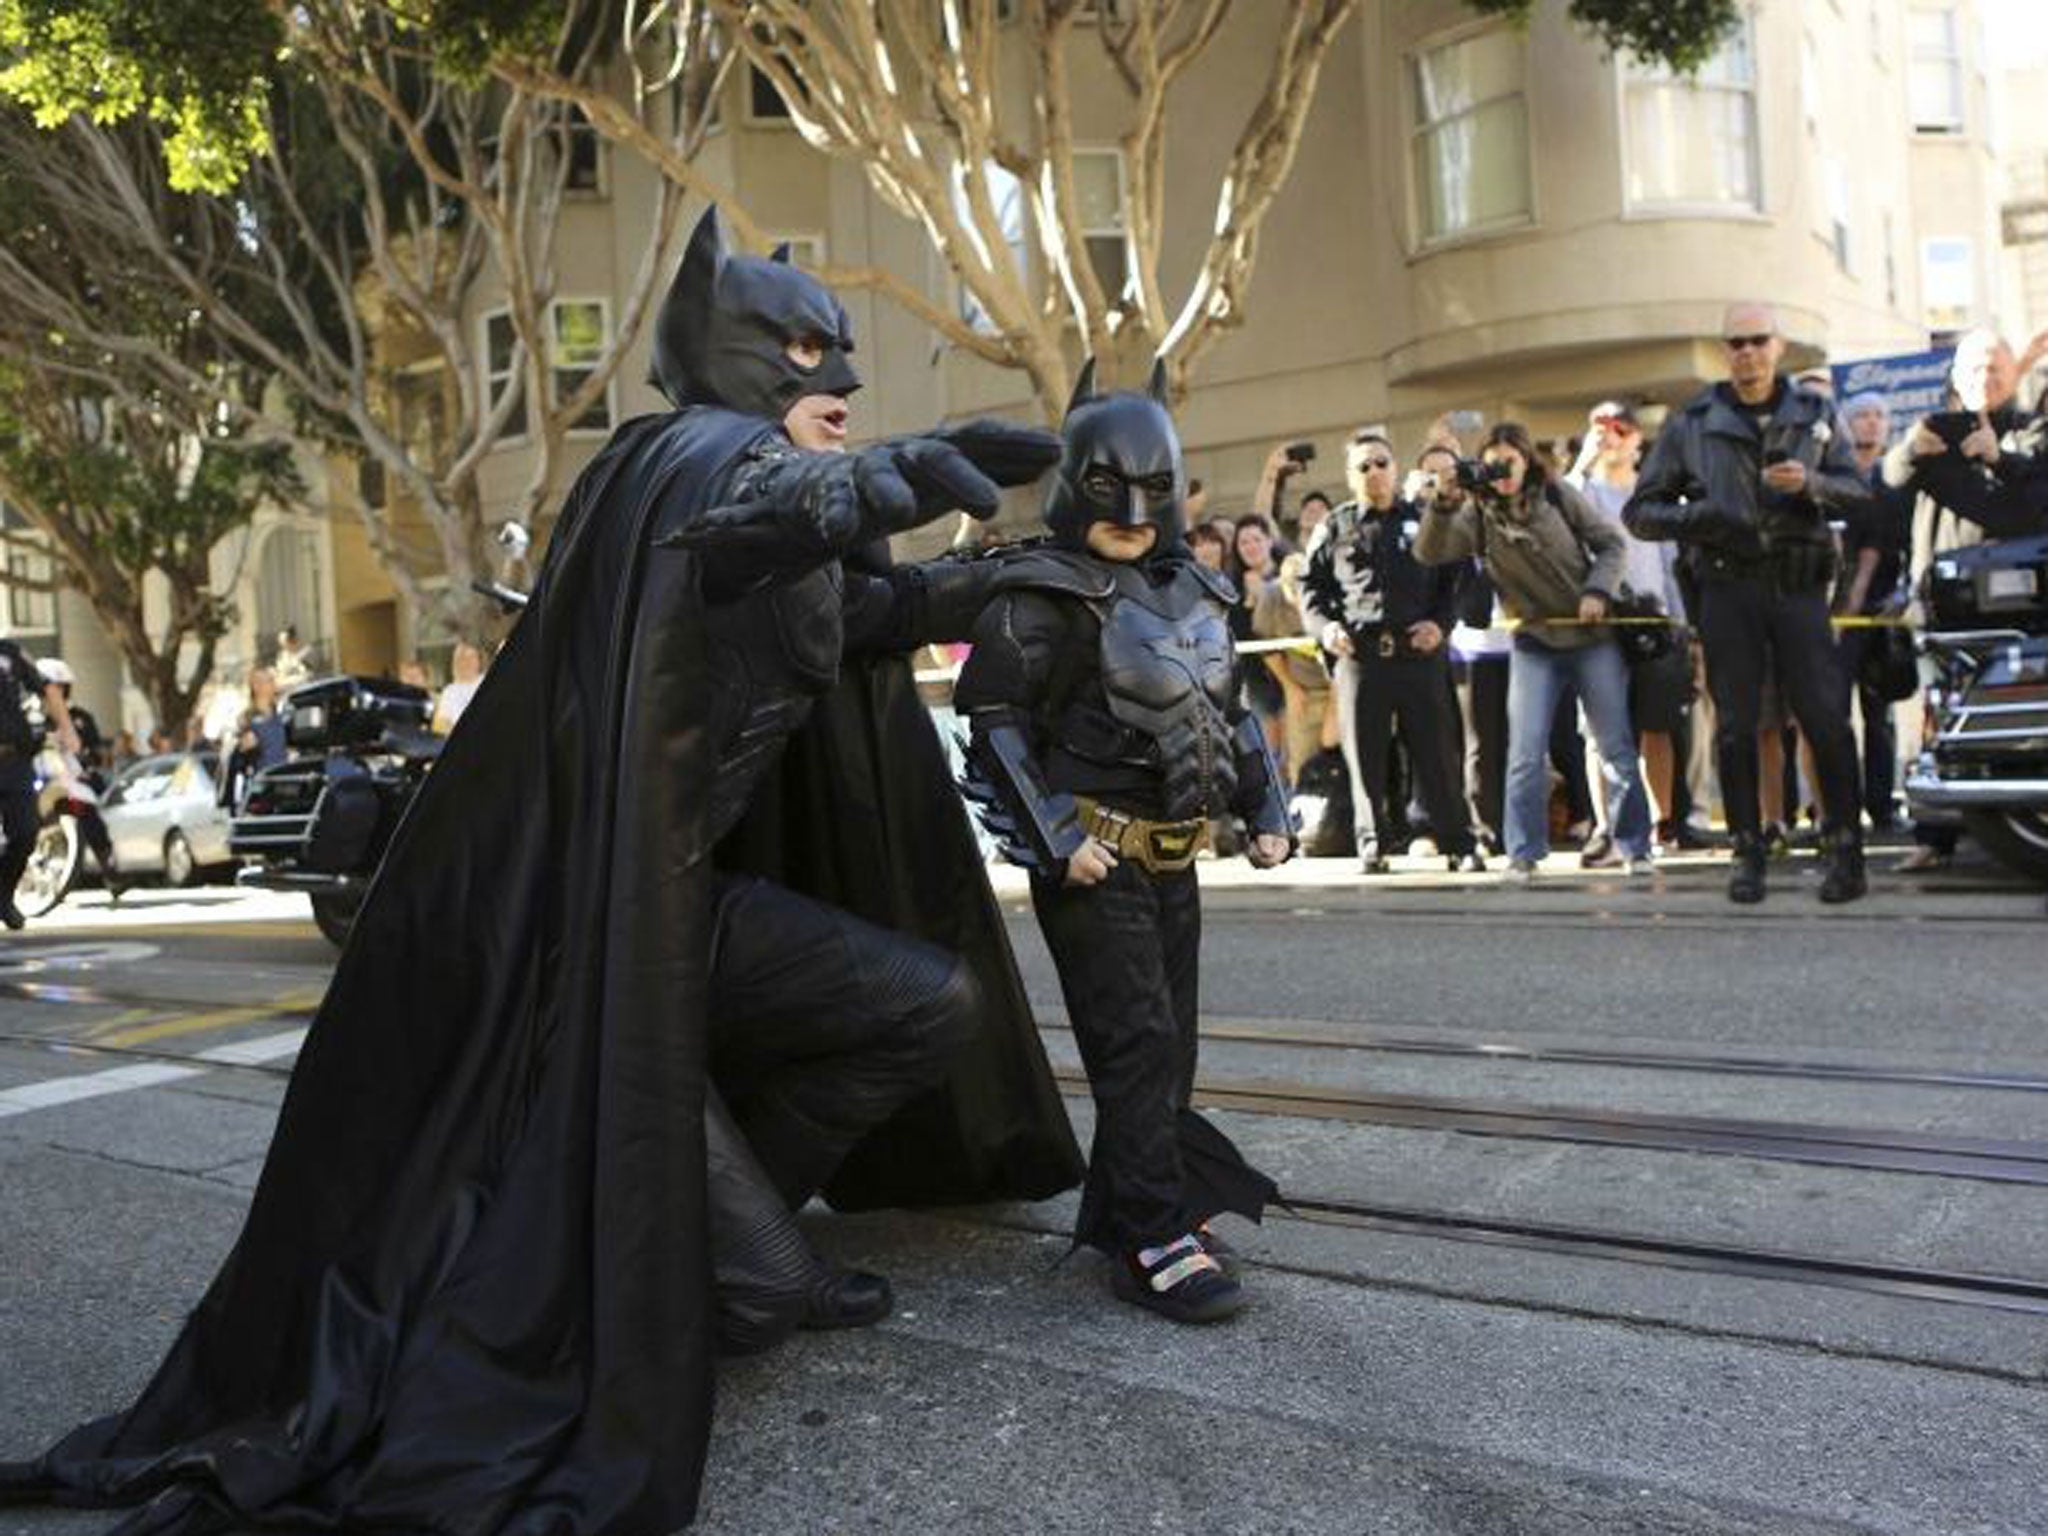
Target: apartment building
1481,216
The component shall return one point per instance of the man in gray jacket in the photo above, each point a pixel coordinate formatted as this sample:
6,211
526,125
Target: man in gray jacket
1555,563
1746,476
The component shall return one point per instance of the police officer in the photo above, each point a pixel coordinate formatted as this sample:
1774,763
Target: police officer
1746,475
1387,617
21,686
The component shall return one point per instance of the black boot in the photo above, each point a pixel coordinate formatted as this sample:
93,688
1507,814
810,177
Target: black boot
846,1298
1842,878
1746,873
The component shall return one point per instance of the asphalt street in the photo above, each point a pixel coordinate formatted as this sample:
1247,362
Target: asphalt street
1614,1209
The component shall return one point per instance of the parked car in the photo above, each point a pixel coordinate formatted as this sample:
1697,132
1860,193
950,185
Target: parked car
165,819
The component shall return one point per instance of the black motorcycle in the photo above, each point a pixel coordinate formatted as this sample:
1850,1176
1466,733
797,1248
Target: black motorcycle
1986,760
319,821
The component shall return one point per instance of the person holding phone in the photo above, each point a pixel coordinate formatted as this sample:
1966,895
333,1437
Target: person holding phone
1746,476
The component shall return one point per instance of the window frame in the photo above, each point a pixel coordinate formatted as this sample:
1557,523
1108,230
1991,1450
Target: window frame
512,435
555,367
1752,211
576,124
1122,231
1959,126
1973,309
1421,241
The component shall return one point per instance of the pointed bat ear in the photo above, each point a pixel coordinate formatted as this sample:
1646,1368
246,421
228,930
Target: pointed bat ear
706,251
1084,386
1156,385
780,253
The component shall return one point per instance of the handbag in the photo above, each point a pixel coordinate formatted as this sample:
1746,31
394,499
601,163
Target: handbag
1641,642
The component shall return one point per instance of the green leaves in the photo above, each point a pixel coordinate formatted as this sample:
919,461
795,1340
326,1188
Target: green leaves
1680,33
197,67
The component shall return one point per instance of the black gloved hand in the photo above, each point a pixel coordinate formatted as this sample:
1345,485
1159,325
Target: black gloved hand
1007,453
907,481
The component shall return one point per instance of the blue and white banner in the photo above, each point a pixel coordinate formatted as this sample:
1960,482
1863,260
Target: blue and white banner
1912,383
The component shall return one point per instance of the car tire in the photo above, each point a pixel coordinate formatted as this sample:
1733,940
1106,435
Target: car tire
2017,839
335,915
181,865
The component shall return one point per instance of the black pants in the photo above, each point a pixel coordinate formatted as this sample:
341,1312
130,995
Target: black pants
1127,953
1745,625
1483,700
823,1025
1413,694
1880,746
18,820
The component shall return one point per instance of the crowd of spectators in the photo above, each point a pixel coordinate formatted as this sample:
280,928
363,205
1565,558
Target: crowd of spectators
1494,644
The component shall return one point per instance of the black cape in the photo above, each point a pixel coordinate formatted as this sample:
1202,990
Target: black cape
862,812
473,1293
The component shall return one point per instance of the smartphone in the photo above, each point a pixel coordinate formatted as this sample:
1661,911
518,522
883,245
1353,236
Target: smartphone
1300,453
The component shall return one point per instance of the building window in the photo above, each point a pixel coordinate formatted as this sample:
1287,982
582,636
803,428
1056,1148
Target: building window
30,611
1006,193
1471,136
289,579
1692,143
1836,180
1948,283
1099,200
502,370
578,330
806,251
1934,78
584,147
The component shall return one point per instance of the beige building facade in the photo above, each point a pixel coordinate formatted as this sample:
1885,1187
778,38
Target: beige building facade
1480,217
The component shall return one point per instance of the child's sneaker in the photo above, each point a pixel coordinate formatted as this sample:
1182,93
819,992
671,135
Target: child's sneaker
1182,1282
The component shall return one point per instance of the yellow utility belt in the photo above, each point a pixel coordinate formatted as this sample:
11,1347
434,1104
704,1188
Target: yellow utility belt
1162,847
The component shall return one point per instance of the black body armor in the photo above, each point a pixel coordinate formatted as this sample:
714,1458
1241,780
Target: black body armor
1116,682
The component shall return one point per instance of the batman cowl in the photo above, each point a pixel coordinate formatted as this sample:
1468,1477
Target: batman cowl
1120,463
725,329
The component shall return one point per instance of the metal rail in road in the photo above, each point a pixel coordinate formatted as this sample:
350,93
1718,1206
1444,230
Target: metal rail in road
1970,1157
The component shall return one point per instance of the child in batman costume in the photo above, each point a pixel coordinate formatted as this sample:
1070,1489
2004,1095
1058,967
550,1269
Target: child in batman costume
1106,731
476,1292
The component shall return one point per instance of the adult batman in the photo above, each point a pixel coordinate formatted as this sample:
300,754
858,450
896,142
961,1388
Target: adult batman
475,1290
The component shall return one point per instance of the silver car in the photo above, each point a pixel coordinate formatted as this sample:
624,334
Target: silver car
164,818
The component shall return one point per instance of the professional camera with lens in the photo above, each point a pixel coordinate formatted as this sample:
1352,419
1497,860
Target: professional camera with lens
1478,475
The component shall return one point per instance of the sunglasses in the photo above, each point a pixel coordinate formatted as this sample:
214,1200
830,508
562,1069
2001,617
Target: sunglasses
1754,343
1376,463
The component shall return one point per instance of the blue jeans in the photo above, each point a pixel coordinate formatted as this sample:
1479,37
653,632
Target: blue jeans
1537,674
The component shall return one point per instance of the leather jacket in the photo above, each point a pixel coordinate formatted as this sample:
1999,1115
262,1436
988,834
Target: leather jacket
1703,481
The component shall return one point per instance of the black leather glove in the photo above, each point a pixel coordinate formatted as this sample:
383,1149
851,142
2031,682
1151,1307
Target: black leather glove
907,481
1007,453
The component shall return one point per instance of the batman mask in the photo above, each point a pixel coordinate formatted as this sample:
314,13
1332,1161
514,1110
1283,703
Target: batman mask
725,329
1120,462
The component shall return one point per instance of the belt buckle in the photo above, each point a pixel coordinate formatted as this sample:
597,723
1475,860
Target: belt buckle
1172,846
1387,645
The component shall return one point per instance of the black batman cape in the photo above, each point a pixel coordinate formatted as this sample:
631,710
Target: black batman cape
473,1293
862,812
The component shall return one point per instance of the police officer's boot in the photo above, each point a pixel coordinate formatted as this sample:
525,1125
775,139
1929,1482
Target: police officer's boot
1746,874
1842,878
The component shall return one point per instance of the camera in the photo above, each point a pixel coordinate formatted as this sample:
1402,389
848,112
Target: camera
1300,453
1478,475
1422,485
